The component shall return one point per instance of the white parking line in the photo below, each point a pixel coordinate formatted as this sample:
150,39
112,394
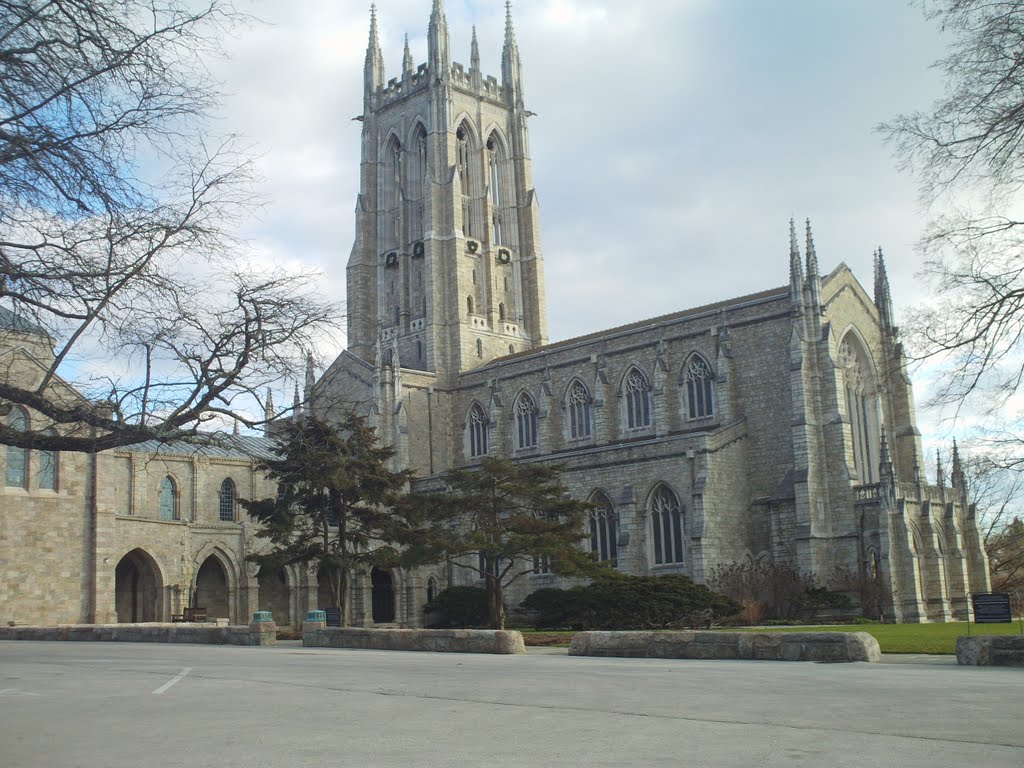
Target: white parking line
176,679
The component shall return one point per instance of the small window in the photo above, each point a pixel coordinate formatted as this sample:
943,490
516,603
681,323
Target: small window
501,312
604,524
476,425
17,458
168,499
431,589
479,348
469,305
541,564
48,468
526,422
227,501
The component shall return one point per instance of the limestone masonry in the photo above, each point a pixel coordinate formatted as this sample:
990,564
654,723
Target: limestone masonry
778,425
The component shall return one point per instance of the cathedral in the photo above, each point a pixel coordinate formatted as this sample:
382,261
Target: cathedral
778,426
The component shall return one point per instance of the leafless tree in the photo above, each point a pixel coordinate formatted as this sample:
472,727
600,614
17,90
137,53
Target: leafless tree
117,210
966,153
998,492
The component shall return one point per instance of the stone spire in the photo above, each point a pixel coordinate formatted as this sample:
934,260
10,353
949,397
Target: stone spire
296,403
957,479
796,271
940,474
268,407
883,297
373,71
408,67
511,67
438,43
886,470
310,381
813,275
474,62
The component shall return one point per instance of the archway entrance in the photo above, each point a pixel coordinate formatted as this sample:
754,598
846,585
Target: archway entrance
383,596
137,588
212,589
274,597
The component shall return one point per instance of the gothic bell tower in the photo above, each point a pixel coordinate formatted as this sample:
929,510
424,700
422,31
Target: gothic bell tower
447,253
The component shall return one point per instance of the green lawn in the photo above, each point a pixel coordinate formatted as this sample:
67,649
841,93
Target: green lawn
892,638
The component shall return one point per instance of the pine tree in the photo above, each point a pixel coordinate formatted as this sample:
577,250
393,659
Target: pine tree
335,503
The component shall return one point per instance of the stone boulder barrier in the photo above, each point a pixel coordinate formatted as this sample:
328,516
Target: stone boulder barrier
315,635
990,651
757,646
262,633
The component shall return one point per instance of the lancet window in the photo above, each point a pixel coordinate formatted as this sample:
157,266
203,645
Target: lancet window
604,525
464,156
17,458
666,526
168,499
227,501
700,388
476,426
578,405
526,422
638,400
47,474
496,192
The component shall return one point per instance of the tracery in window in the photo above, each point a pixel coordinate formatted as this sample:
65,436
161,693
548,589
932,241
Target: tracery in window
227,501
496,162
666,526
476,425
700,388
578,402
17,458
526,422
638,400
464,157
604,526
168,499
861,396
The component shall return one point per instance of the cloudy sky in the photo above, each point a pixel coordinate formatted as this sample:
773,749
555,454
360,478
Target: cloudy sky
674,139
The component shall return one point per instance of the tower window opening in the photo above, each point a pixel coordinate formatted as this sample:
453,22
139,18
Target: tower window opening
469,305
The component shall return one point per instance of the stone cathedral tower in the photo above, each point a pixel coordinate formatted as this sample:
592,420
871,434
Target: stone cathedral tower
446,266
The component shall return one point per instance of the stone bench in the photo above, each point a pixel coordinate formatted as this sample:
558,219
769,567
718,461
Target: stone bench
990,651
760,646
263,633
316,635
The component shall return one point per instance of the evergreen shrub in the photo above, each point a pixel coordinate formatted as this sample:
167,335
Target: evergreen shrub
460,607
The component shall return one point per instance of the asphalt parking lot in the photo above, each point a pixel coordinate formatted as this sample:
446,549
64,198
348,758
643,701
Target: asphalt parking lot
117,705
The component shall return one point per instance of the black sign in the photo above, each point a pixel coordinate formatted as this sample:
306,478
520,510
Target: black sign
992,608
333,617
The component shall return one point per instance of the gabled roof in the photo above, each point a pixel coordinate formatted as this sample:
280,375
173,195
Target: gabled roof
214,444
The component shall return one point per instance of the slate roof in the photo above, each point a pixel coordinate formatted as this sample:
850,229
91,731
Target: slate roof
214,444
9,321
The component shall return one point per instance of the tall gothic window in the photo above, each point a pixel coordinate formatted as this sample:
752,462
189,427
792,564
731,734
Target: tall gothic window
577,404
464,155
526,422
17,458
392,193
476,426
416,183
666,526
495,163
638,400
227,501
47,474
861,396
700,388
604,525
168,499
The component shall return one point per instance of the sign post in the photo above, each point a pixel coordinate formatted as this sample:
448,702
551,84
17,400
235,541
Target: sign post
991,608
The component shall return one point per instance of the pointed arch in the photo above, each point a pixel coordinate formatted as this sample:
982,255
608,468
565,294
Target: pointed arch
666,515
579,411
604,527
416,173
699,379
138,588
498,191
391,183
467,152
860,397
17,458
636,396
477,427
527,421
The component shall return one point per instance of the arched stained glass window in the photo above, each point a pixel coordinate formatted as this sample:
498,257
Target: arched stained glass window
666,526
168,499
227,501
526,422
638,400
861,395
17,458
476,425
578,403
700,388
604,525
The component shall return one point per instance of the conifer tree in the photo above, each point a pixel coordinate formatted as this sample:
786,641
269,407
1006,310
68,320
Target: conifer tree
503,521
335,503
